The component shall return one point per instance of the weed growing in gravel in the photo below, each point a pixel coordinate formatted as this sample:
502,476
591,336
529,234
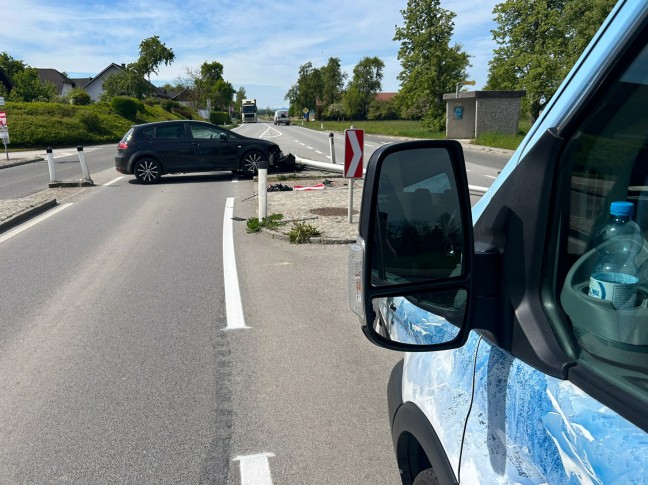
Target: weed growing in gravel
302,232
271,222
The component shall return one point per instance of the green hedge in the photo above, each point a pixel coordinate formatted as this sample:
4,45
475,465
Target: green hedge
127,107
219,117
39,125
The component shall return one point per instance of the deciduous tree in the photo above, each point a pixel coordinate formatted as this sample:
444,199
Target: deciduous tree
362,89
431,67
538,43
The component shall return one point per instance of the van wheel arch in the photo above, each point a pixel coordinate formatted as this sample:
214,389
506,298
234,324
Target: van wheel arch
418,447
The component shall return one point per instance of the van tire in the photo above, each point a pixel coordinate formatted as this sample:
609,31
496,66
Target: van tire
426,477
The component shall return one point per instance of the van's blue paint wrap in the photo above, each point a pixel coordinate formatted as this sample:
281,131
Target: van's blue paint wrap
524,427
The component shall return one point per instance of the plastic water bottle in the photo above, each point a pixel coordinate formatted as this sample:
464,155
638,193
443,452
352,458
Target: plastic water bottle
615,276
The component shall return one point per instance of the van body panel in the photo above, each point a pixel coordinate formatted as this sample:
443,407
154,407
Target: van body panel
499,419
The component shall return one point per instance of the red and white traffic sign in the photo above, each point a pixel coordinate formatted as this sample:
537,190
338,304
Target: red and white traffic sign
3,118
353,151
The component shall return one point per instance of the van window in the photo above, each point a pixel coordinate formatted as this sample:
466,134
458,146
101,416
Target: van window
607,160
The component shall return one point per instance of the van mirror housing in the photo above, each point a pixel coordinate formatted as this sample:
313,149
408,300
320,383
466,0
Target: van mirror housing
409,272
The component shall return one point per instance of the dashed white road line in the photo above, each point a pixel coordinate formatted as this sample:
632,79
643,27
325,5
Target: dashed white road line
23,227
255,469
112,181
490,177
233,305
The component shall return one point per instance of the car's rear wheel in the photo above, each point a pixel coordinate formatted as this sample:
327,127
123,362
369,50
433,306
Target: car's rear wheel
148,170
250,162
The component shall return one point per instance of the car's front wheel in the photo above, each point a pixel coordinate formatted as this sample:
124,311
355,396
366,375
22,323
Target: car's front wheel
148,170
250,163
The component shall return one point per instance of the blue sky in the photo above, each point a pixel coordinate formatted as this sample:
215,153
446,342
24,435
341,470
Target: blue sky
261,44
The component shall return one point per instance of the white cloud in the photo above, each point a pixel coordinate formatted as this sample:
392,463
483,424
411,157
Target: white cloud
260,44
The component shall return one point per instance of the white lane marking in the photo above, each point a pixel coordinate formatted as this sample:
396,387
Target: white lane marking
233,306
112,181
255,469
490,177
317,151
62,155
477,188
23,227
329,156
276,133
296,141
310,148
235,178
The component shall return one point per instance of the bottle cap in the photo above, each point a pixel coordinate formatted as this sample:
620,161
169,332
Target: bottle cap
622,209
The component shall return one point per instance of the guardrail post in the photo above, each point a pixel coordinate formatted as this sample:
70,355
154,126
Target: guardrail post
84,165
50,165
262,175
332,146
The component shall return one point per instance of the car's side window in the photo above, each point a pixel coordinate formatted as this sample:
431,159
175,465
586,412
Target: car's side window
204,132
600,274
169,132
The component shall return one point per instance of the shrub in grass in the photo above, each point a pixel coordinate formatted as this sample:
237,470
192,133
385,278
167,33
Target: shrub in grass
302,232
271,222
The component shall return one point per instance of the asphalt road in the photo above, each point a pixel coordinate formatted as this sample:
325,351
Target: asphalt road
117,365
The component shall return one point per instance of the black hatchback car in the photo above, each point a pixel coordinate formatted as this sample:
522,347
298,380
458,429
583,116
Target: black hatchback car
153,149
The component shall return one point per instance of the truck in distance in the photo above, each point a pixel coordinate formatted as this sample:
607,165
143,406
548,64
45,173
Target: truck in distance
249,111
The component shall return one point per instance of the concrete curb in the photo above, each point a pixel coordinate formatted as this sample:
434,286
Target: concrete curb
19,162
27,214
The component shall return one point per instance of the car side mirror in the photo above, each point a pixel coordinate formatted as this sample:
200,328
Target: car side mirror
410,270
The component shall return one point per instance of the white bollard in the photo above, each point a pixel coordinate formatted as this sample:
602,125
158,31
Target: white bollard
262,175
332,146
50,165
84,165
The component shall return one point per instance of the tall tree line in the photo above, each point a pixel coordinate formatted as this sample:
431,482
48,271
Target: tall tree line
538,41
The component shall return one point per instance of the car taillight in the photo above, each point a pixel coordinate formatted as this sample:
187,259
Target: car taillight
122,145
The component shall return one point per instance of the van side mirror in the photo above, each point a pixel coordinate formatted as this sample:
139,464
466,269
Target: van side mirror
409,273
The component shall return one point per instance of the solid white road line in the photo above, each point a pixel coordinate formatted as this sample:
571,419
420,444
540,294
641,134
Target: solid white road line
255,469
233,306
32,222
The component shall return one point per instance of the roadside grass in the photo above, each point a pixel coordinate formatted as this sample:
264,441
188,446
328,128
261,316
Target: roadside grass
414,129
400,128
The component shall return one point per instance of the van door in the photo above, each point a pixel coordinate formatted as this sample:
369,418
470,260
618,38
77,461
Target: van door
525,425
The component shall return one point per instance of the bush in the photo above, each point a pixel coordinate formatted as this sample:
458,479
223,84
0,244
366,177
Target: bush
271,222
182,111
91,121
168,105
219,117
127,107
302,232
78,97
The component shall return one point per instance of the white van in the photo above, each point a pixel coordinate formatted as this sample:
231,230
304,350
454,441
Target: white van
513,372
281,117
